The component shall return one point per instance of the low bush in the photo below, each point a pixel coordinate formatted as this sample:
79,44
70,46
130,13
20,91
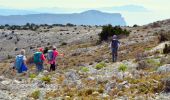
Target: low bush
35,94
84,69
46,79
122,67
164,36
166,50
100,65
148,64
32,76
64,43
109,30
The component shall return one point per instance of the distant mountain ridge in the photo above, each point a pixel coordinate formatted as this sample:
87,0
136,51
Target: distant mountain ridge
90,17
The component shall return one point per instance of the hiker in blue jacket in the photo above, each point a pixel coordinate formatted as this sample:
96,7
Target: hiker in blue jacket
20,62
114,47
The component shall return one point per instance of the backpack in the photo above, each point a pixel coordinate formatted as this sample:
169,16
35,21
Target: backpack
50,55
115,43
37,57
18,62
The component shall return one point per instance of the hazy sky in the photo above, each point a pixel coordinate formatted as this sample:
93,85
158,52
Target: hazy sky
158,9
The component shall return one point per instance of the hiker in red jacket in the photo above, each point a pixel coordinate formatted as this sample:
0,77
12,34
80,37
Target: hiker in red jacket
51,57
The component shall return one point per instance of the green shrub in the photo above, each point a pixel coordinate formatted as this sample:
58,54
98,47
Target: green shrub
84,69
109,30
9,57
35,94
122,67
164,36
32,76
46,79
100,65
64,43
135,25
153,62
166,49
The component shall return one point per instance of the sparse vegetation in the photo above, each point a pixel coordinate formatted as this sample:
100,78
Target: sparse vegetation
76,76
84,69
149,64
35,94
46,79
122,67
100,65
32,76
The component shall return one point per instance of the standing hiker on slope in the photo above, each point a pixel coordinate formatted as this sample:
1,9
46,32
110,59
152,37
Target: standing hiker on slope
39,60
51,57
20,62
114,47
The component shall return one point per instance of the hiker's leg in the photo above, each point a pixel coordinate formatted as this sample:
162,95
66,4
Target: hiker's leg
40,67
116,55
113,55
53,66
50,67
37,67
19,70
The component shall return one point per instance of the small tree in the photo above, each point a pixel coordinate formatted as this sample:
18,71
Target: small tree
109,30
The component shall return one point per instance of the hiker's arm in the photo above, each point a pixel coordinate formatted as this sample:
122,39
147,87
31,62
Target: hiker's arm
61,54
44,59
25,62
110,46
119,44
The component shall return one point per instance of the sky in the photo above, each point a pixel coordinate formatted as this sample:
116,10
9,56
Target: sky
152,10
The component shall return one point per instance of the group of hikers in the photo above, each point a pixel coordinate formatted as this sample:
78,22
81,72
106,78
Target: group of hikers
39,57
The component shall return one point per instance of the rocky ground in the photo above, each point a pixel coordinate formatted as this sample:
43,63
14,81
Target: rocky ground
86,71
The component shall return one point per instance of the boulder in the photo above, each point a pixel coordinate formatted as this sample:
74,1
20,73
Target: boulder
164,68
2,78
109,86
72,75
6,82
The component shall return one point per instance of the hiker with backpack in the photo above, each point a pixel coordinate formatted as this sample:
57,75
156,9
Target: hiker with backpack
114,47
51,57
20,62
39,59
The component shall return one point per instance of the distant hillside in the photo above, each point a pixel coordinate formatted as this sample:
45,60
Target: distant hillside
91,17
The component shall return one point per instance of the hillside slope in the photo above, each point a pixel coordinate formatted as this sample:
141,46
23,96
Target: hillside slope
86,71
